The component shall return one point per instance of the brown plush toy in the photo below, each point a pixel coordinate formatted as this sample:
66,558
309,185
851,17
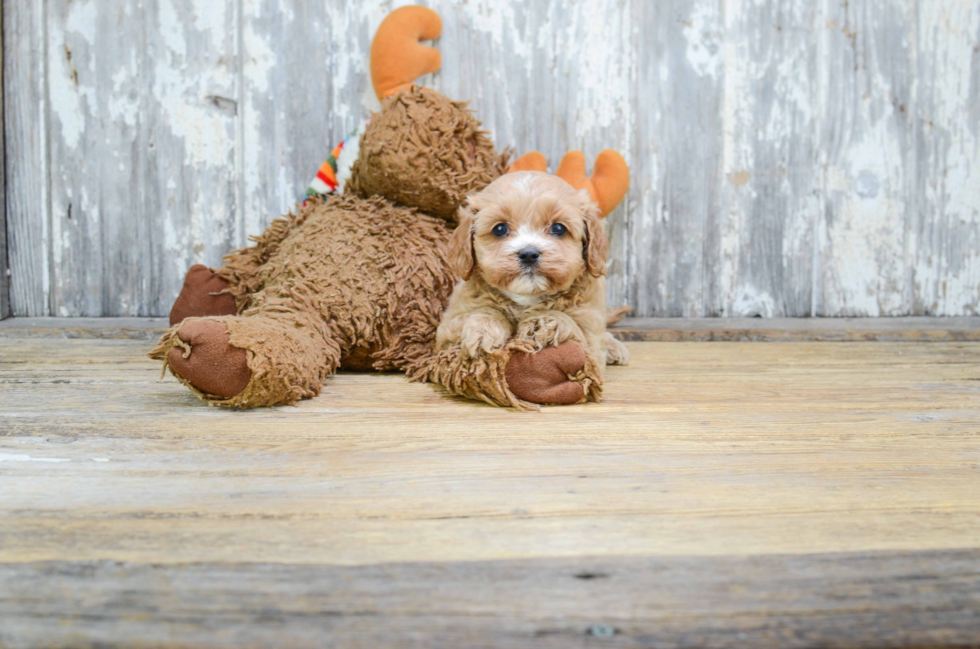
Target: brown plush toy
359,280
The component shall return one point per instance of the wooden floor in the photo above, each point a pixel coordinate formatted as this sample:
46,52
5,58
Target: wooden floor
723,494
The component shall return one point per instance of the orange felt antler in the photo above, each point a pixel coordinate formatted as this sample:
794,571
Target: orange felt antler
608,183
397,56
531,161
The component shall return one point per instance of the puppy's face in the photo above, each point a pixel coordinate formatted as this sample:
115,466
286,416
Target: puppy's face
529,234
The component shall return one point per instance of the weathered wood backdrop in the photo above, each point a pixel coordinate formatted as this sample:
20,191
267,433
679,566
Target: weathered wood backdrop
789,157
4,280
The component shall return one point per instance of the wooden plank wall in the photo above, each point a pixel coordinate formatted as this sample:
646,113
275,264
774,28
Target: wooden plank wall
789,157
4,276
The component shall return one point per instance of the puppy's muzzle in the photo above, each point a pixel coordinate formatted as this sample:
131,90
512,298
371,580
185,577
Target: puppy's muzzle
529,257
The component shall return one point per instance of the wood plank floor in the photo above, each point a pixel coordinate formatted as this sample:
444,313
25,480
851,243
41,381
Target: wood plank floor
724,494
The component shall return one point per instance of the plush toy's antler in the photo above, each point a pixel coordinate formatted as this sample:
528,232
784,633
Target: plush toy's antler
397,57
532,161
608,183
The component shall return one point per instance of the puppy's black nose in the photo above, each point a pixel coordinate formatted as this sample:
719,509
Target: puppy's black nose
529,256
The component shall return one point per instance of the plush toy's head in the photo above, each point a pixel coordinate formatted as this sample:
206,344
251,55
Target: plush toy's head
422,150
607,186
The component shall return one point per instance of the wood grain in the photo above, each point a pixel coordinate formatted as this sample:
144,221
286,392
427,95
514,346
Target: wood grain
914,329
142,150
759,245
789,158
868,157
4,263
677,172
944,243
800,495
722,495
909,329
25,141
697,449
292,115
841,600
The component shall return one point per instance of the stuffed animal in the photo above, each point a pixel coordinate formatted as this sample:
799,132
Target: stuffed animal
360,279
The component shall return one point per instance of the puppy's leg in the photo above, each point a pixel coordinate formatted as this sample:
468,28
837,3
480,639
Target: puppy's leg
549,328
486,333
483,330
616,352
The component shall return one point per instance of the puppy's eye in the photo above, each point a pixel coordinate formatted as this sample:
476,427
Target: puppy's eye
500,230
558,230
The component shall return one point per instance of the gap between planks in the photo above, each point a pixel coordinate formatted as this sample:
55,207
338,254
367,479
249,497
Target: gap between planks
904,329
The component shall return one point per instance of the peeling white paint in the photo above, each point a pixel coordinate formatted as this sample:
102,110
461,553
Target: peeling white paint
172,31
890,223
866,236
704,42
753,302
260,60
17,457
945,250
69,96
212,18
182,91
124,102
601,72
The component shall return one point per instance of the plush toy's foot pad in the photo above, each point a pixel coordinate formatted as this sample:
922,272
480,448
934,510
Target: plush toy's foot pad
542,377
208,361
202,296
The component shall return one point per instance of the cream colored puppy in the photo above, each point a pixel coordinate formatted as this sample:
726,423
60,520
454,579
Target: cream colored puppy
532,254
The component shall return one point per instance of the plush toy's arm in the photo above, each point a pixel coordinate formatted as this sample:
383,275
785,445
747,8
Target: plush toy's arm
517,376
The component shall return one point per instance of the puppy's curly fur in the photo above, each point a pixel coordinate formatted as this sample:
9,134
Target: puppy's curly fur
532,254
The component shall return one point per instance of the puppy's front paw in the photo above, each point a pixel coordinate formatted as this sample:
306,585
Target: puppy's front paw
483,333
553,328
616,352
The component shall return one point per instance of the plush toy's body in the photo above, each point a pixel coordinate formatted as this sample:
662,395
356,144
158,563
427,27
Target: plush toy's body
347,282
360,280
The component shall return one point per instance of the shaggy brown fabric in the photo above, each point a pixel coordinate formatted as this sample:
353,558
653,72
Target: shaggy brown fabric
480,378
485,377
203,294
542,377
207,360
356,281
343,275
423,150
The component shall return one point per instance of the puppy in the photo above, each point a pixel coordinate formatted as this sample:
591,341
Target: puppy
532,255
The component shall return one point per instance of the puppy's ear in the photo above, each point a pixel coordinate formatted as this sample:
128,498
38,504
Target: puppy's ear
462,259
596,244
